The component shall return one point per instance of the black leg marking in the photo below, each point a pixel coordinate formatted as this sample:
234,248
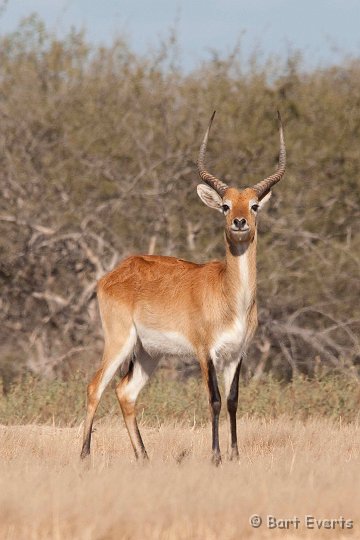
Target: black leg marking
85,451
232,405
131,367
141,443
215,404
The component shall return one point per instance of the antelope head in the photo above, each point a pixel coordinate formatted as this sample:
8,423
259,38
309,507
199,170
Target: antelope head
240,207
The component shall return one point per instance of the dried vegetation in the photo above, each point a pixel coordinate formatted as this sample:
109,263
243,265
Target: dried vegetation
287,468
97,150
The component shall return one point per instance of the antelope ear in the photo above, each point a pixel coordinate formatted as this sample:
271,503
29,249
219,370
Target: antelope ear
264,200
210,197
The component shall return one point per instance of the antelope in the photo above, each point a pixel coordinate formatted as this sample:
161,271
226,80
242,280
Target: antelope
153,306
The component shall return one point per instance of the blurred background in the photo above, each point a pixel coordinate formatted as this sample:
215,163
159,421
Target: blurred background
102,110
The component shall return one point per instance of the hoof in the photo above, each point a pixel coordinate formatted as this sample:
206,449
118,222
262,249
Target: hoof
85,452
234,454
142,457
216,459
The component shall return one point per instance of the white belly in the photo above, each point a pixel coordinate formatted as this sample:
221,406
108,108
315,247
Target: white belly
157,343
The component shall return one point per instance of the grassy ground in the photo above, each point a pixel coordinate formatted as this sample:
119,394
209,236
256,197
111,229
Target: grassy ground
63,403
288,468
299,455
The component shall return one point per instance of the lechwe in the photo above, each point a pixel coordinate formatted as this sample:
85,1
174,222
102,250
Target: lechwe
154,306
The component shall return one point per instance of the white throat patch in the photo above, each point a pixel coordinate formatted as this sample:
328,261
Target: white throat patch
231,342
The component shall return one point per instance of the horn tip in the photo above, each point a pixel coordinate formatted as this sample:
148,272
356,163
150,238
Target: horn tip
212,118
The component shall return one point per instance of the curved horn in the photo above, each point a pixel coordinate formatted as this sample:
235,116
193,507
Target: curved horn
263,187
219,186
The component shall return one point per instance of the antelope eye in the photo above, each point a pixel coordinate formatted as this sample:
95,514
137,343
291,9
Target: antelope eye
225,208
255,207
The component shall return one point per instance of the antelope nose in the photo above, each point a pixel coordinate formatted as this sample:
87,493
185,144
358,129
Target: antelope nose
240,224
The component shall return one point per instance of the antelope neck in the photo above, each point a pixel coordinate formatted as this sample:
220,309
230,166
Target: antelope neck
240,272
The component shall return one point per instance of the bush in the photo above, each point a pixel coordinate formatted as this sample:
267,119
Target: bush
97,161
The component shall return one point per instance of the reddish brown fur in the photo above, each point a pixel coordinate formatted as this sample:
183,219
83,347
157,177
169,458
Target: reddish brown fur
170,294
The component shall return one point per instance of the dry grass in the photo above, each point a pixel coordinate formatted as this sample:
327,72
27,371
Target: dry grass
287,468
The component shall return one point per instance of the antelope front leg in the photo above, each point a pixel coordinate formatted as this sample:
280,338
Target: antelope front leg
232,392
215,407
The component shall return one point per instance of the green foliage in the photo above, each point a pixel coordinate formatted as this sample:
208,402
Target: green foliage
330,395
